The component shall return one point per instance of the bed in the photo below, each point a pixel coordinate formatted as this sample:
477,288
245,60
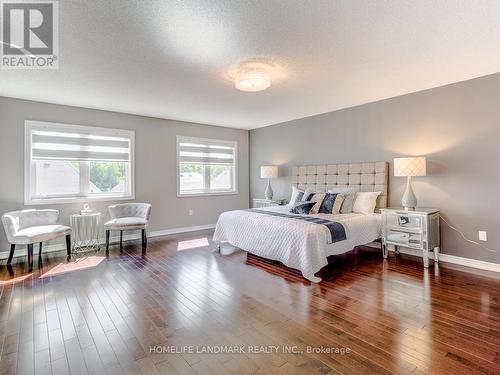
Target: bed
297,241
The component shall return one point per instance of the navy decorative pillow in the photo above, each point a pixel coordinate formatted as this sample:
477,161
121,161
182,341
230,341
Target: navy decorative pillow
328,202
302,208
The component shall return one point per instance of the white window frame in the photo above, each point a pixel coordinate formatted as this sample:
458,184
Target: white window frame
83,196
205,193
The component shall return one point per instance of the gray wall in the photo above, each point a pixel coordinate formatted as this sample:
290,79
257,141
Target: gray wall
456,126
155,162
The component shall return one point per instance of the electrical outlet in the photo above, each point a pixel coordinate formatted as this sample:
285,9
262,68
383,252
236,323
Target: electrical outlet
190,212
483,235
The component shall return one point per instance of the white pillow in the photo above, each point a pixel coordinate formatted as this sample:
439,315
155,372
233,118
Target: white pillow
365,202
293,198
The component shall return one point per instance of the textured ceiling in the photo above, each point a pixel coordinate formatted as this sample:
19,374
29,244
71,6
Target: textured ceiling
173,59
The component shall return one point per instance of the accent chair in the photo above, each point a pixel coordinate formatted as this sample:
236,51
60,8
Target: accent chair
26,227
128,216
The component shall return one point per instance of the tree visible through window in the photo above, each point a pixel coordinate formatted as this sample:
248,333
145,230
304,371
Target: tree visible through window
108,175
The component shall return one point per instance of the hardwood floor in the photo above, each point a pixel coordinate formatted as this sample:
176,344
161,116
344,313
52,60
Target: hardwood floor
122,314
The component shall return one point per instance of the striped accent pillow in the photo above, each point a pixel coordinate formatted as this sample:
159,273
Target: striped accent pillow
317,198
332,203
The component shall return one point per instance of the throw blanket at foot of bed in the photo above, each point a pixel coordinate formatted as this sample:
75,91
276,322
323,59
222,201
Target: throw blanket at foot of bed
337,230
297,241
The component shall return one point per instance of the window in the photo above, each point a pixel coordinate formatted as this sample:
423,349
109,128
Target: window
206,166
68,163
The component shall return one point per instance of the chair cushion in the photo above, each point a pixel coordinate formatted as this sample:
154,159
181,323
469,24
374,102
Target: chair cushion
40,233
130,222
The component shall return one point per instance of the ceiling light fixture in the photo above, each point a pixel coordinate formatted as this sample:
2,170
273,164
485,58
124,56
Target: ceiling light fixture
253,76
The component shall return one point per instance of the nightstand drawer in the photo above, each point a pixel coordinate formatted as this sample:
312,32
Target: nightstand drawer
399,228
405,221
413,240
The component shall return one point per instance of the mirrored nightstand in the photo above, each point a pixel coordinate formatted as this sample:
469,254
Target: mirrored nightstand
417,229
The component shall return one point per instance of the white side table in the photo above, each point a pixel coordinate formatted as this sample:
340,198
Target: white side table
86,229
259,203
417,229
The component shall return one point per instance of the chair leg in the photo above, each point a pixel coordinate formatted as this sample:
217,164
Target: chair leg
40,252
12,248
68,245
107,241
144,237
30,257
121,240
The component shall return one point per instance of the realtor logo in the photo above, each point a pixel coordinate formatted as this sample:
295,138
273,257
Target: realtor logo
29,36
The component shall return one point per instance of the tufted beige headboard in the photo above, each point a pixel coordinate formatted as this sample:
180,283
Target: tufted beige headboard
370,176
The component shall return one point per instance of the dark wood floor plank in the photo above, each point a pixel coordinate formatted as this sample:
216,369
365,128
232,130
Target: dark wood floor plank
74,355
60,366
8,364
42,362
92,360
26,358
56,345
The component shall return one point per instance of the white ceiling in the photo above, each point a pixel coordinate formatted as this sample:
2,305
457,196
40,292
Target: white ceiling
173,59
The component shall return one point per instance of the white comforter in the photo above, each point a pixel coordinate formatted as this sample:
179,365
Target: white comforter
296,243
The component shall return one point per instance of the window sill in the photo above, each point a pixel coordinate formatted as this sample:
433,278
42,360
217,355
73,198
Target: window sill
206,194
44,201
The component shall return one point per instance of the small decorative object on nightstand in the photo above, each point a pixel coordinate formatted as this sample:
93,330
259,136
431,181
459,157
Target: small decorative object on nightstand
418,229
259,203
268,171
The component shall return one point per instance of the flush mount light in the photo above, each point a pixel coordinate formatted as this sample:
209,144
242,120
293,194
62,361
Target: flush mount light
253,76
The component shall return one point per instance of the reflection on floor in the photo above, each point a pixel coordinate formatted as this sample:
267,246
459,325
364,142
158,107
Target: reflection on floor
76,265
14,280
192,244
153,312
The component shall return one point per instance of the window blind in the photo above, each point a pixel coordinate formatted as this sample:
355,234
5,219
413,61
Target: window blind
57,145
206,152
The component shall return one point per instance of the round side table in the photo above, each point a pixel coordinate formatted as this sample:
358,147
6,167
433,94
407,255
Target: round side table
86,230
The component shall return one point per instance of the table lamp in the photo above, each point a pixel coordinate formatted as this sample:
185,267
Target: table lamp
409,167
268,171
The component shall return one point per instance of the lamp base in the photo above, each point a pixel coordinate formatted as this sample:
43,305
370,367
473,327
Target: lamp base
409,200
269,191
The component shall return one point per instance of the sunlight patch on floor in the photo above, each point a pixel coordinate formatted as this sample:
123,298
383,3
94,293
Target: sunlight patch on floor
77,265
192,244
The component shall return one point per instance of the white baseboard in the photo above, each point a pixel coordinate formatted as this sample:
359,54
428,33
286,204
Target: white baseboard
467,262
21,249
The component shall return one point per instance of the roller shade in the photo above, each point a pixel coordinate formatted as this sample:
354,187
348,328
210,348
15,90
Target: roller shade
206,152
57,145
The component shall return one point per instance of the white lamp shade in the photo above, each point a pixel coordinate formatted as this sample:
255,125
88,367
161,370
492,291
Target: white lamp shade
269,171
414,167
